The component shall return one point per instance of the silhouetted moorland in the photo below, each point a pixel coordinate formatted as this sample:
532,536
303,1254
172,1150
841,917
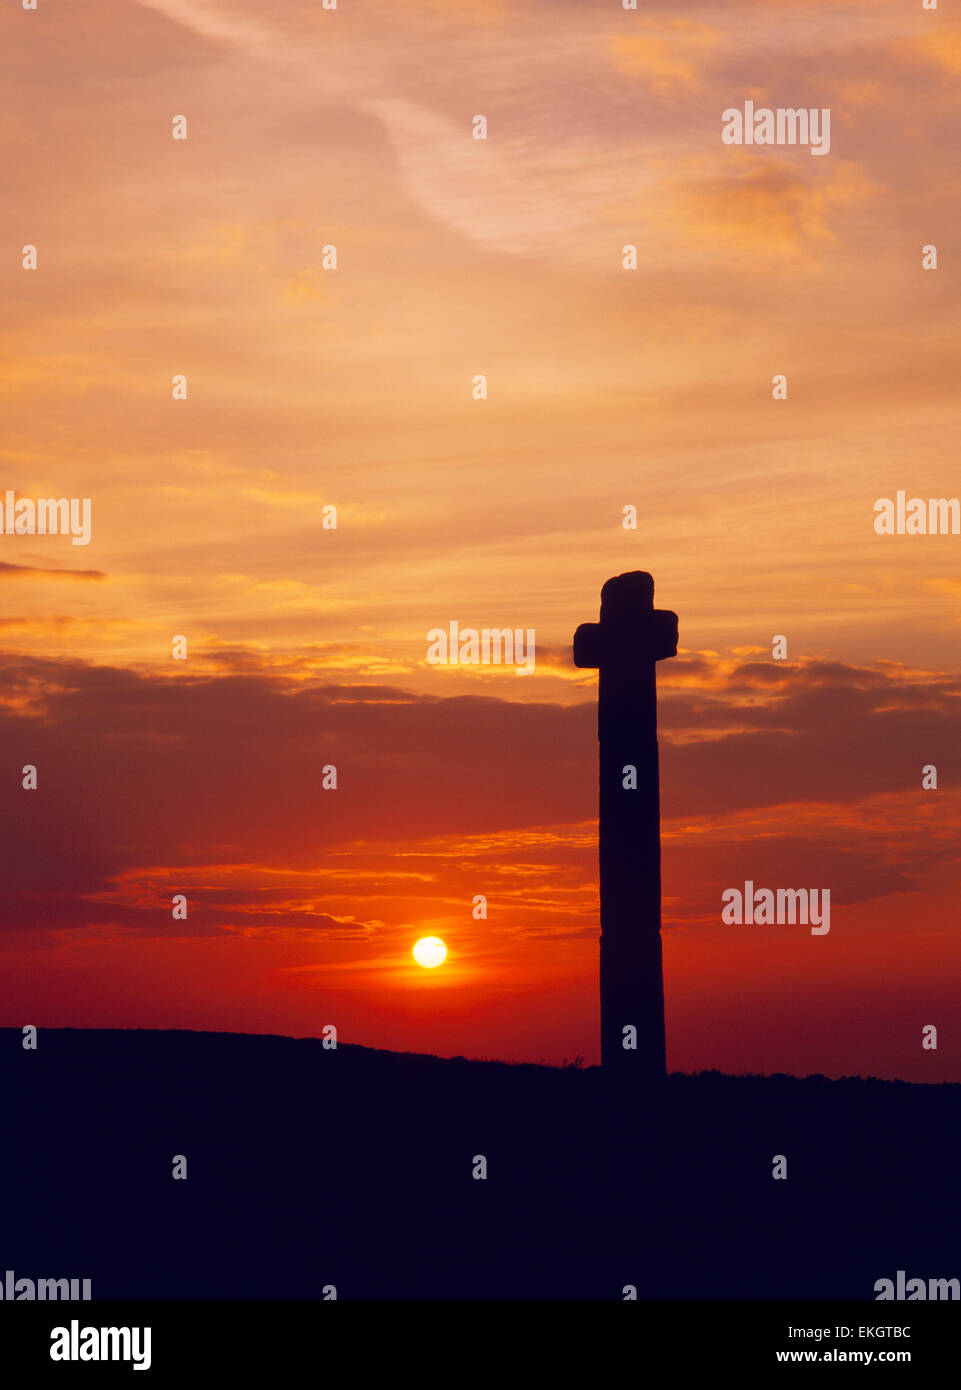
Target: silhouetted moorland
309,1167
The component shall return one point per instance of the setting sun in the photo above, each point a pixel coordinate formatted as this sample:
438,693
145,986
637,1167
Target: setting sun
430,951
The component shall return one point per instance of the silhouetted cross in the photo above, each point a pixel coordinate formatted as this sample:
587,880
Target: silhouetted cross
631,637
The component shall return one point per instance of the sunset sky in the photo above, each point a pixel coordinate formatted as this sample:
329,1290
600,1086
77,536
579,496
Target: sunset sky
353,387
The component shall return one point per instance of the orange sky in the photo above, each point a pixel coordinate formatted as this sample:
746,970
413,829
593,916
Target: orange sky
352,387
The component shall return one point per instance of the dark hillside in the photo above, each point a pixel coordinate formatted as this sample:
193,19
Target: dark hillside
309,1167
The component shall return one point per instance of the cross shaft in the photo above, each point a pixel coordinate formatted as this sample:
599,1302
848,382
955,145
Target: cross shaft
631,637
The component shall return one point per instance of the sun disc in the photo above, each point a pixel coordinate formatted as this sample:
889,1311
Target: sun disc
429,951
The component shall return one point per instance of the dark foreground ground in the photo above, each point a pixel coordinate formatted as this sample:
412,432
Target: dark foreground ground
353,1167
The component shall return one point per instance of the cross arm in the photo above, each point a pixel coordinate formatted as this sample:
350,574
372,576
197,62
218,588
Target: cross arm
652,637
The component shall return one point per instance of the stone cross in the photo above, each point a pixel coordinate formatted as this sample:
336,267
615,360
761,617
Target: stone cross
630,638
